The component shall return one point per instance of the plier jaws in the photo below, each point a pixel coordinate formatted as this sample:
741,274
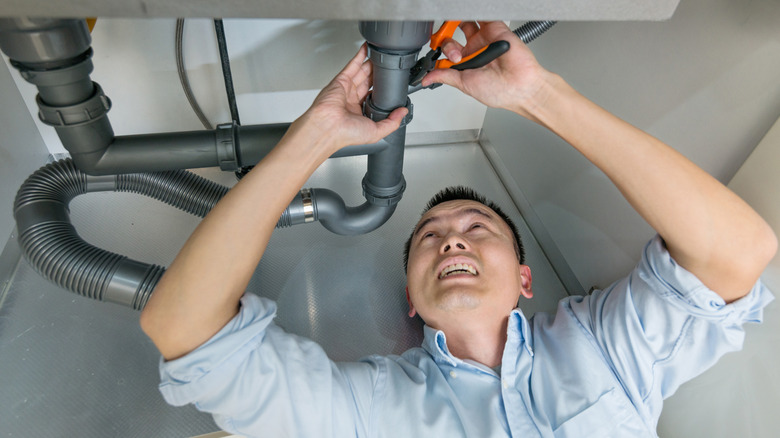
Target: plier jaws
424,65
431,60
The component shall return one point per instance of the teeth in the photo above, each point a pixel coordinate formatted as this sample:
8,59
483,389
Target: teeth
459,268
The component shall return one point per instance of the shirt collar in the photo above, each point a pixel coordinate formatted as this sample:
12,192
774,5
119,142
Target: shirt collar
435,341
518,330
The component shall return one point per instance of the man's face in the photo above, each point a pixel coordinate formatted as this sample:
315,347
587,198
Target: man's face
462,259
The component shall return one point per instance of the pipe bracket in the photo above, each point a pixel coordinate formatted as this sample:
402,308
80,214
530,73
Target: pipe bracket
73,115
226,146
376,114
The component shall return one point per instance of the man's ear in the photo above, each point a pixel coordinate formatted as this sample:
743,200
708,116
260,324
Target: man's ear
412,312
525,281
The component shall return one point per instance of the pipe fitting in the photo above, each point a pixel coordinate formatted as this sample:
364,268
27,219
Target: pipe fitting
394,61
397,36
308,206
331,211
383,196
90,110
376,114
227,146
393,48
62,85
300,211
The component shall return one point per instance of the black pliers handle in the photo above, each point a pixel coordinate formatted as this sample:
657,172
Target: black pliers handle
431,60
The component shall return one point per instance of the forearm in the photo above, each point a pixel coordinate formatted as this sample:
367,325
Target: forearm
200,291
708,229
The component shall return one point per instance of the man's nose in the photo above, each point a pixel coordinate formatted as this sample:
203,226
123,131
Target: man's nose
453,241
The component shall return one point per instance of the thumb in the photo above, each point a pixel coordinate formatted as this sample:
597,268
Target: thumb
391,123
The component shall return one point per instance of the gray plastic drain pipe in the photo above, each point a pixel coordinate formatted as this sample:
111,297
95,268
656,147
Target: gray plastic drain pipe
55,55
393,50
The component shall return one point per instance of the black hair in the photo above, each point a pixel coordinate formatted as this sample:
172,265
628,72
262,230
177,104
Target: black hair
465,193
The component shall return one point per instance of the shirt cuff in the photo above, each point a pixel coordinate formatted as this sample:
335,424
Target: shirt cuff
686,290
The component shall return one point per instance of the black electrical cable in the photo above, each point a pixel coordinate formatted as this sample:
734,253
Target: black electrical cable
224,58
219,28
183,79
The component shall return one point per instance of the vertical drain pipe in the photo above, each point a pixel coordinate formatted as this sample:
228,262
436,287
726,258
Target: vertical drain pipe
393,49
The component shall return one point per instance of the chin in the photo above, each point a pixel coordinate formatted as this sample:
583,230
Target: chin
459,300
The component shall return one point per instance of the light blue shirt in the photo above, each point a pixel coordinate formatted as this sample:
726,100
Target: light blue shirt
600,366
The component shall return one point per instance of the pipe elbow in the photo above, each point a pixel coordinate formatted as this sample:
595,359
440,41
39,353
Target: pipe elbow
338,218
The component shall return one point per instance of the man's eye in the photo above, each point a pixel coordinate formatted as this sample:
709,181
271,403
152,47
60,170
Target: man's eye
476,226
428,234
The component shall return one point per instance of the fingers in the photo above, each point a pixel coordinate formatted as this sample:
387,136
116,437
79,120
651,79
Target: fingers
469,28
444,76
452,50
391,123
363,77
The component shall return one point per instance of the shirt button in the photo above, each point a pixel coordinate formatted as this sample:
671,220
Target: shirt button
505,383
453,375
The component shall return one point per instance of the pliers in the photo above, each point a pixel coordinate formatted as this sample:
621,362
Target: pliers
431,60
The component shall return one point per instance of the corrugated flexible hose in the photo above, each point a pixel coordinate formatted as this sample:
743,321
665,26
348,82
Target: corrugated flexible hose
53,247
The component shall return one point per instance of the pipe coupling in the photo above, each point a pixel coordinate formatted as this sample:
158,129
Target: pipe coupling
81,113
392,61
376,114
227,146
383,196
308,206
80,68
300,211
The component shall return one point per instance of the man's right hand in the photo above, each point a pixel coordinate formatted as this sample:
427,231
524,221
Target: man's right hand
337,112
514,81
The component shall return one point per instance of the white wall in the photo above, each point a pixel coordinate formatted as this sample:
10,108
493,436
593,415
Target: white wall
278,68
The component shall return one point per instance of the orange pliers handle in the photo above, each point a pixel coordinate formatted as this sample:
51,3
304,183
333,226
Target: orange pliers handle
446,63
447,30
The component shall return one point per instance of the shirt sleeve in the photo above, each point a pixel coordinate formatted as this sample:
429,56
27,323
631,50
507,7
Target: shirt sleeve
661,326
257,380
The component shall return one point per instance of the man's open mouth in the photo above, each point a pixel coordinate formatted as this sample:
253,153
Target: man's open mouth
459,268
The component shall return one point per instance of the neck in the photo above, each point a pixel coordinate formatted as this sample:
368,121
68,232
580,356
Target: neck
480,340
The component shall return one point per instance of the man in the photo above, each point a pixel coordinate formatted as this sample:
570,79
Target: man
600,366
